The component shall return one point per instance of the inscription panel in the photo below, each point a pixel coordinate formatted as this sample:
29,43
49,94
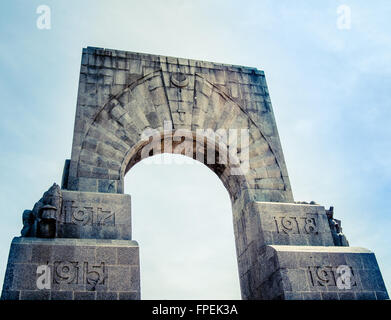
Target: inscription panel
94,216
68,269
76,272
296,225
325,272
293,224
332,276
88,214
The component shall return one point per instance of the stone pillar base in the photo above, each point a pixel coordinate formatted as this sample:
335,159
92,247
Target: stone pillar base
318,273
74,269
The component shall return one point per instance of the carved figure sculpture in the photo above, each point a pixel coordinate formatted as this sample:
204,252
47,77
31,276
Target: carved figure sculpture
336,229
41,221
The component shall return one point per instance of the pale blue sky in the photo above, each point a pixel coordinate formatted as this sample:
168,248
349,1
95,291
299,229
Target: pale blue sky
330,91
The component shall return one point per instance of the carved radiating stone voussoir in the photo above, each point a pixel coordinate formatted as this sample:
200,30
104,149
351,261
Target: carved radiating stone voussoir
178,101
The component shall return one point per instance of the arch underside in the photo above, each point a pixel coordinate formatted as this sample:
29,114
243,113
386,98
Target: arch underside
113,137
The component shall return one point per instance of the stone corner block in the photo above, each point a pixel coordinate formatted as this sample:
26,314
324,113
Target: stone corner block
95,215
326,273
72,269
293,224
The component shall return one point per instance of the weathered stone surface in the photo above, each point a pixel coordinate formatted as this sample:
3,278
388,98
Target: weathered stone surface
79,215
80,269
125,101
95,216
280,244
293,224
148,90
315,273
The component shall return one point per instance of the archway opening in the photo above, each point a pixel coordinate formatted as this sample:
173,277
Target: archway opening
182,219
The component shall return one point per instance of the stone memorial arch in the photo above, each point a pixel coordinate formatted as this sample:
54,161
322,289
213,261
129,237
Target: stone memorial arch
77,243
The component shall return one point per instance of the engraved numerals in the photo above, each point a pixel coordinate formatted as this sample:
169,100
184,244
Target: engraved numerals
70,272
86,215
66,272
94,275
329,276
296,225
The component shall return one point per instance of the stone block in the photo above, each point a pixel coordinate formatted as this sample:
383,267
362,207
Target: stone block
61,295
95,216
293,224
127,256
34,295
106,254
10,295
311,272
129,296
107,296
77,269
84,295
119,278
311,296
347,296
